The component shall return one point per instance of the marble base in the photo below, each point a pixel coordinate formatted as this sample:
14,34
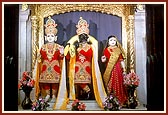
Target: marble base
91,105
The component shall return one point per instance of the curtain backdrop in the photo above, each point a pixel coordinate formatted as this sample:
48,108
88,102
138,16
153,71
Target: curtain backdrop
100,25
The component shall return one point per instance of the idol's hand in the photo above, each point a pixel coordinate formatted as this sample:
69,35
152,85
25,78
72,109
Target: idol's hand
61,50
103,58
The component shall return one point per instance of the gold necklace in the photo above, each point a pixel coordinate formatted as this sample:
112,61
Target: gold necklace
50,50
85,48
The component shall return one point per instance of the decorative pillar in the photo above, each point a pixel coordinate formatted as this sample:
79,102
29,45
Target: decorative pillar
131,43
34,40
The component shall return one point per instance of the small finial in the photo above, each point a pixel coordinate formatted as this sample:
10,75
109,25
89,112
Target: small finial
80,18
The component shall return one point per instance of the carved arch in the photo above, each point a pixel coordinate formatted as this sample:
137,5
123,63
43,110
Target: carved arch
125,11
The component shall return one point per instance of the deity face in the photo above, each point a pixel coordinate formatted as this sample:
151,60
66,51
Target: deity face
83,39
83,43
112,41
50,37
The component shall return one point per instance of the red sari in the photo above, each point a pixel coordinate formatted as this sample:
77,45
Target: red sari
115,82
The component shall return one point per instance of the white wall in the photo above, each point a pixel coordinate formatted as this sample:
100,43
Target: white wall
24,48
140,55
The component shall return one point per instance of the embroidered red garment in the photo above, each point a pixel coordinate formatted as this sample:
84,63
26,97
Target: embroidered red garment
116,80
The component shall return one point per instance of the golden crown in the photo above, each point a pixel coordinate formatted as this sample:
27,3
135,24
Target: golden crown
82,26
81,21
50,26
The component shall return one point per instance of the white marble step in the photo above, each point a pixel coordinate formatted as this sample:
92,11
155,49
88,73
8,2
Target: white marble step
91,105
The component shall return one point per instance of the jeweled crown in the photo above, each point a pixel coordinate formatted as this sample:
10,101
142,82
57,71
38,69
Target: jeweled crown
82,26
50,26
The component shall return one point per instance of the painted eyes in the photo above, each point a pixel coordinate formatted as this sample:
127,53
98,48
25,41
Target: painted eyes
50,35
112,40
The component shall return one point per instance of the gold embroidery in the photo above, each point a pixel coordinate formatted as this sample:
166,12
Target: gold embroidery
85,48
50,49
112,60
82,58
50,75
86,88
72,50
82,76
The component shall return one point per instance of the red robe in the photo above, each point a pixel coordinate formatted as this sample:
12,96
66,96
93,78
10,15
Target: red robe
50,70
116,80
83,66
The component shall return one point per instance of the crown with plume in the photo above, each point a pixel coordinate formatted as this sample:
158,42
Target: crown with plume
50,26
82,26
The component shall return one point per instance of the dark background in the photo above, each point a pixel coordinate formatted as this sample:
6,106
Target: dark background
100,25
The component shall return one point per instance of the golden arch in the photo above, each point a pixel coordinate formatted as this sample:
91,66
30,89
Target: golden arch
125,11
